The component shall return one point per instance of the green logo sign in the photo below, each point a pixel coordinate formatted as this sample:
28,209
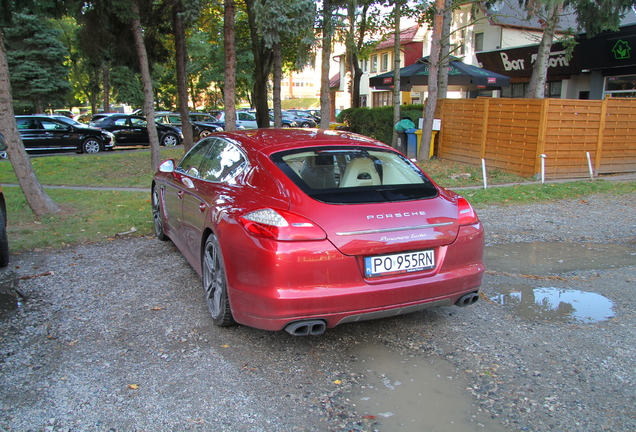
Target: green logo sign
621,50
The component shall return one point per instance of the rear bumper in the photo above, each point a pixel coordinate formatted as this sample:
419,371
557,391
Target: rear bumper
282,287
283,311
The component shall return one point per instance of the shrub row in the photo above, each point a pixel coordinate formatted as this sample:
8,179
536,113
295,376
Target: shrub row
377,122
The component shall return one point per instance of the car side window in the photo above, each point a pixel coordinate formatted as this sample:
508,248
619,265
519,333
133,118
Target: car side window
121,122
192,161
223,163
138,122
26,123
246,116
203,118
51,125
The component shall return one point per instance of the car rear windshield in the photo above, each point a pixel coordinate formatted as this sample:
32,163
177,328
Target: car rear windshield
355,175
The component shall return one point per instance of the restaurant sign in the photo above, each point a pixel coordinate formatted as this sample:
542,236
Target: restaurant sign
518,62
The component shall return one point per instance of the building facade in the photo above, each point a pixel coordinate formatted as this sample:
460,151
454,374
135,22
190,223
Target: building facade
498,38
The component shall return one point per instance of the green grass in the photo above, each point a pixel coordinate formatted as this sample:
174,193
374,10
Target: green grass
89,216
534,193
444,173
121,168
86,216
302,103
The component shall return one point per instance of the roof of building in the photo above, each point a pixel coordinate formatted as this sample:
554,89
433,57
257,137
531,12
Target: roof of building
334,82
508,13
406,36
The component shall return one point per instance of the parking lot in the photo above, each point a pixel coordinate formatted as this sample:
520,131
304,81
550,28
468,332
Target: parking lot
116,336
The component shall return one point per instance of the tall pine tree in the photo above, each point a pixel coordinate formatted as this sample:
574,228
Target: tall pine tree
37,65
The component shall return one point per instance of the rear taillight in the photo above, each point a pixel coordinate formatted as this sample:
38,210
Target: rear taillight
281,225
467,215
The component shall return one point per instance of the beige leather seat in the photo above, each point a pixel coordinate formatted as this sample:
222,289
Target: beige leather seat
360,172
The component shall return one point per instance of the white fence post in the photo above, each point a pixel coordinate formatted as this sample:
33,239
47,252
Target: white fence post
543,156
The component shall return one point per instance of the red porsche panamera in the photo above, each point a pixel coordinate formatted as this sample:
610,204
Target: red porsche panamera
302,229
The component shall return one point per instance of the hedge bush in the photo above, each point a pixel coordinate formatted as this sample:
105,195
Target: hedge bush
377,122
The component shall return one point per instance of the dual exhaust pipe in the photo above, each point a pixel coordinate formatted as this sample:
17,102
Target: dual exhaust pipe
317,326
467,299
306,328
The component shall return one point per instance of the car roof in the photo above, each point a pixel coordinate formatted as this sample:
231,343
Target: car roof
113,115
271,140
43,116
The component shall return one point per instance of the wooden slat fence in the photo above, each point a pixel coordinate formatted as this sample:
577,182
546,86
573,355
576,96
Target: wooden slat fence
512,134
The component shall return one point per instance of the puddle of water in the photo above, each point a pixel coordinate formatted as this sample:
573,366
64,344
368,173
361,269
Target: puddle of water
554,304
8,302
542,259
415,394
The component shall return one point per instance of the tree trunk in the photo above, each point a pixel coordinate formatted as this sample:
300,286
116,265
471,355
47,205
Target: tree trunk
357,78
149,101
396,74
94,101
230,67
355,63
351,55
262,68
445,49
106,70
325,91
181,60
39,202
536,87
433,76
278,75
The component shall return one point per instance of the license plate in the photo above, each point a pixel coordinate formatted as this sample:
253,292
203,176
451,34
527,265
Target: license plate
383,265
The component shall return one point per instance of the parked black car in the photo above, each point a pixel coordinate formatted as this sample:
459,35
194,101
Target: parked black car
288,122
303,120
41,133
132,130
312,114
202,124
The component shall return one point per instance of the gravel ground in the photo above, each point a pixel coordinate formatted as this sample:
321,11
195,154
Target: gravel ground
115,336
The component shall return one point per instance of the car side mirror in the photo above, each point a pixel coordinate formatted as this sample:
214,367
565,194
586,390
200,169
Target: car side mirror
3,143
167,166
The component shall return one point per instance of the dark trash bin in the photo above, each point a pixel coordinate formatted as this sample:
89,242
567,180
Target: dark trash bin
411,143
402,140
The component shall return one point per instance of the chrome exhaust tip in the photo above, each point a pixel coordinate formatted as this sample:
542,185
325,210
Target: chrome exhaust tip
306,328
467,299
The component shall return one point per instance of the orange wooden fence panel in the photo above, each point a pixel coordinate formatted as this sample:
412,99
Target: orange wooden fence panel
511,135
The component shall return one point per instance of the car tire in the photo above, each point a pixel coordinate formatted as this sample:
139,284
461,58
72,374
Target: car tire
305,125
157,215
4,242
91,146
204,133
169,140
215,283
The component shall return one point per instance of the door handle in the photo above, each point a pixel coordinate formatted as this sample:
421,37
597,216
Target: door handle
180,194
